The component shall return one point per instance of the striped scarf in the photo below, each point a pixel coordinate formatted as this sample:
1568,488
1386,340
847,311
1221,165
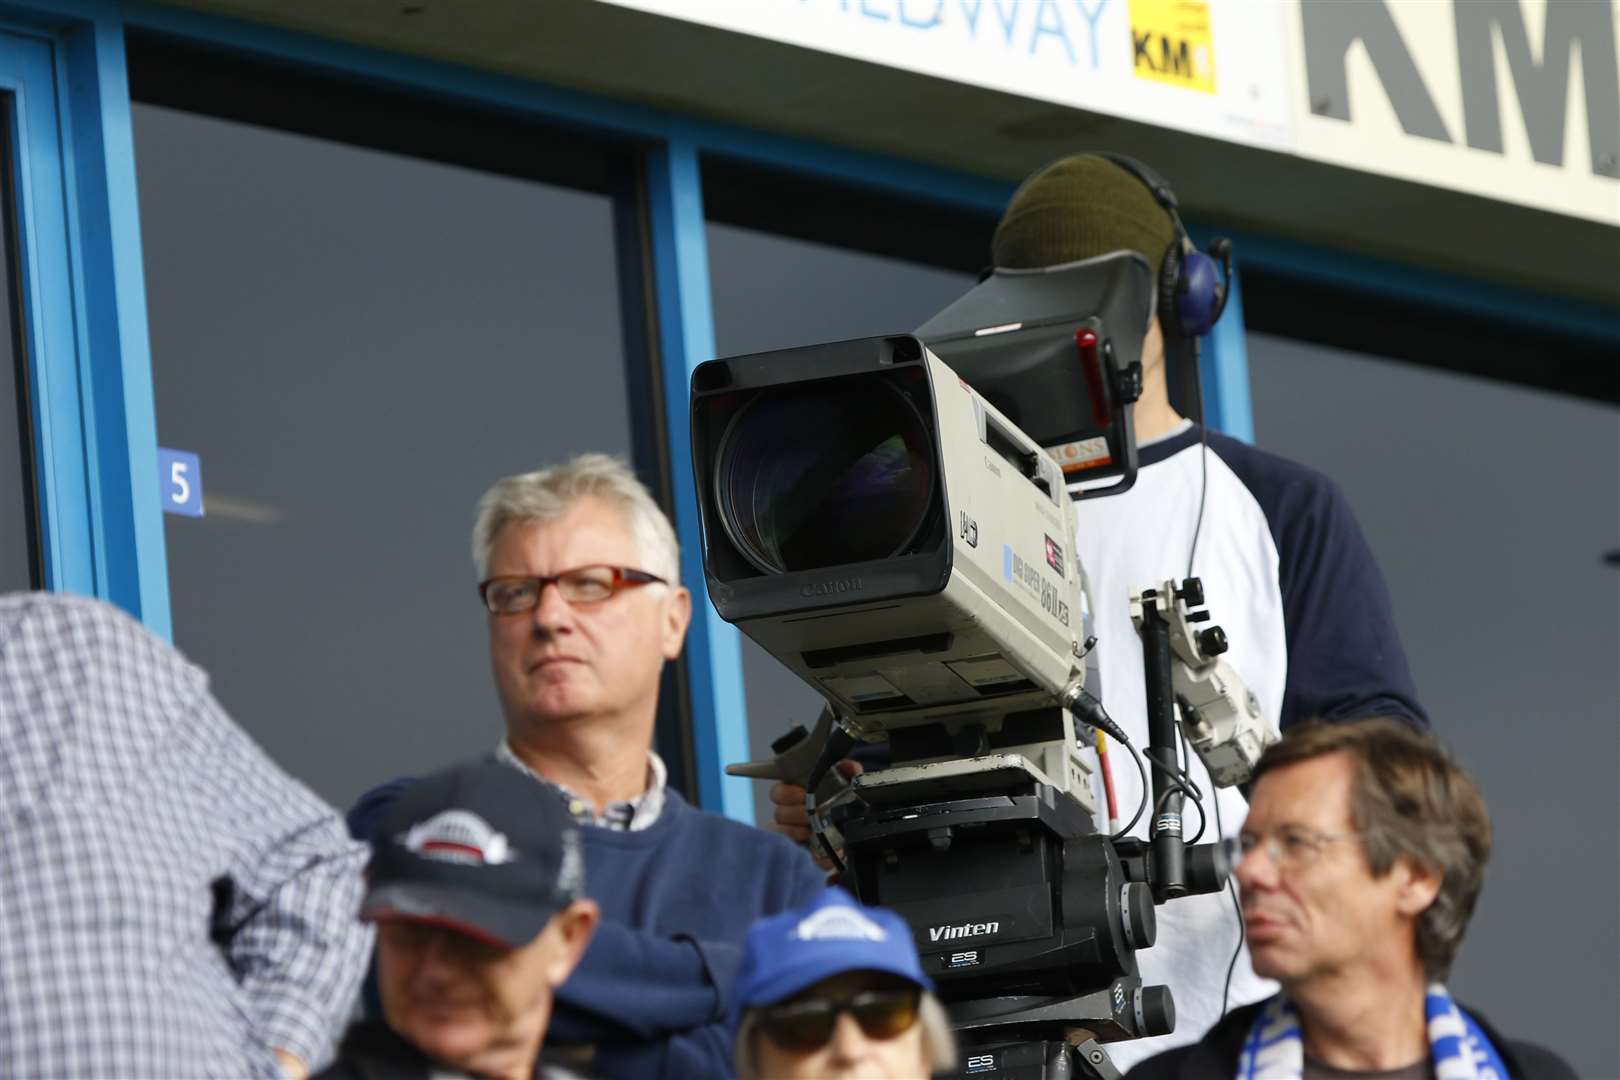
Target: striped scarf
1458,1049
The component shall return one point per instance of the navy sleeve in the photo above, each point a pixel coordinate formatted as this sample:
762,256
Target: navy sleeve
681,983
678,985
651,1006
1345,658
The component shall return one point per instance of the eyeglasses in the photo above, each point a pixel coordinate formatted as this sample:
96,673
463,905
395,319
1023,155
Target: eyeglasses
514,594
1293,848
803,1027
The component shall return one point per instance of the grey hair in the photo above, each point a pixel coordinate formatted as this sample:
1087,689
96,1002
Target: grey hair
939,1045
548,494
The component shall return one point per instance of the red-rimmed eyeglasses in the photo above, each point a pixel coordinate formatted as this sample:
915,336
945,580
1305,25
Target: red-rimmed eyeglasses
513,594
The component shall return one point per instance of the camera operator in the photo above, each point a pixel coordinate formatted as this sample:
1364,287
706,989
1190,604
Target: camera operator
1364,853
1283,562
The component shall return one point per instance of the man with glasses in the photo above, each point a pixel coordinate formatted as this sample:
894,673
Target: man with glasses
579,573
1364,853
834,990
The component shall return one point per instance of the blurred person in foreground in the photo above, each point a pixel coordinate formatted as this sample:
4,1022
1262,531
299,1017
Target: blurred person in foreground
476,885
1364,853
579,577
834,990
172,904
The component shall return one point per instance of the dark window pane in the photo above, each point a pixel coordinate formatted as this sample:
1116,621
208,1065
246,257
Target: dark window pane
357,343
19,520
1490,508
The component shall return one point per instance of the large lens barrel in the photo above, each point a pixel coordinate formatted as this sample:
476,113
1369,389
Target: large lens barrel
818,476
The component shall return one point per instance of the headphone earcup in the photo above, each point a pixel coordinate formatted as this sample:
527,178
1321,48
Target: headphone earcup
1169,283
1198,294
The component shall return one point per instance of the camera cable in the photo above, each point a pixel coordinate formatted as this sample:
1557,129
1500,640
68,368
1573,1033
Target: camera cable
1237,910
1192,550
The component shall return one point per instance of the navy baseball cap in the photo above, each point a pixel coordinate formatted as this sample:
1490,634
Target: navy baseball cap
791,951
479,848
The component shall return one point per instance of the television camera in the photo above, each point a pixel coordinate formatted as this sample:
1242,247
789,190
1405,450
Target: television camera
878,522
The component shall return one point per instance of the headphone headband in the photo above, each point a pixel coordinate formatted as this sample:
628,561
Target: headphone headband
1192,291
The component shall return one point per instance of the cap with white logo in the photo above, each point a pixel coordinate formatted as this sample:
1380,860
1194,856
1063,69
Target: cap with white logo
479,848
792,951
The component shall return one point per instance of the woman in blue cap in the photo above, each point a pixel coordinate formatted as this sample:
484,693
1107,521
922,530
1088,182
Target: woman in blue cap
834,989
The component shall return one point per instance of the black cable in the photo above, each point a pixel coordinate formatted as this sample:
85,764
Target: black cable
1237,910
1185,762
1196,802
832,854
1089,711
1180,781
1203,460
1198,524
1141,804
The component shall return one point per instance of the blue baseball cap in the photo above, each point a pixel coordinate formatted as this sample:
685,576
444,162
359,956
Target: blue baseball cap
834,933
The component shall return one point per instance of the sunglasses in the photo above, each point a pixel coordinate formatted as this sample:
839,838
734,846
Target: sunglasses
803,1027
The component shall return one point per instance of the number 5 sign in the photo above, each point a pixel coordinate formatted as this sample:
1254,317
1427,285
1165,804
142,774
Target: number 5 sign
181,475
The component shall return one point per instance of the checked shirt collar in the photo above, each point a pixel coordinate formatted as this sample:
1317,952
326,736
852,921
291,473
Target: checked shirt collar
625,815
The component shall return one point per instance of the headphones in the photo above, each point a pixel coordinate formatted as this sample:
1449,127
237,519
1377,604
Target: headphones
1192,284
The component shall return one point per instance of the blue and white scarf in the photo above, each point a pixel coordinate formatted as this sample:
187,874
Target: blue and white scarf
1459,1050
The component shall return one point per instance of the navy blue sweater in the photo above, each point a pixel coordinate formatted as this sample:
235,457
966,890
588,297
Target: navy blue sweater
653,990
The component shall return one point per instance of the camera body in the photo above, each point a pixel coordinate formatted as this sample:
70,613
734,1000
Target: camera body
882,529
875,524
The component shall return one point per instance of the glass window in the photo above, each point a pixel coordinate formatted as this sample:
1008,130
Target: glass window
357,342
795,262
19,521
1491,507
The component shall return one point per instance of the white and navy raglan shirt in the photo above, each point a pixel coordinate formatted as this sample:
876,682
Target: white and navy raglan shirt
1289,576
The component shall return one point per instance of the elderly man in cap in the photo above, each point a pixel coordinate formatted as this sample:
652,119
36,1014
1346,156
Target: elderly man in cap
835,990
476,884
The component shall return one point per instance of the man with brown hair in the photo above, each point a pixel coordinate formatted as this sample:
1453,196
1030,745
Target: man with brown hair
1364,853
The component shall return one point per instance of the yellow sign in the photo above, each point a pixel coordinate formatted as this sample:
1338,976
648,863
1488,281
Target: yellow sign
1174,43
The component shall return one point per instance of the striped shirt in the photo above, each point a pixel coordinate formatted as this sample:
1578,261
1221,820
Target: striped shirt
172,904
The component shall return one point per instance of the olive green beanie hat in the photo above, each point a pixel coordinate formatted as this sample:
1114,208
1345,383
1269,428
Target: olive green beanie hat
1076,208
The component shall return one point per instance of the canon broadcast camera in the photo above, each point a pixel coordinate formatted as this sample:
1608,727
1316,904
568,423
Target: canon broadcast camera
878,524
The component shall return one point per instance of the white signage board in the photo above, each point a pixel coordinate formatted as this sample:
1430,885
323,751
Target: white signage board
1514,100
1215,67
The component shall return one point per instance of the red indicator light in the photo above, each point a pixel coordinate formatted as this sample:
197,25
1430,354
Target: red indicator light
1085,344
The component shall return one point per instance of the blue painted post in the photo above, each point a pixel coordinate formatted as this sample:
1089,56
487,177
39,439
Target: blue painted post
115,357
685,339
1224,372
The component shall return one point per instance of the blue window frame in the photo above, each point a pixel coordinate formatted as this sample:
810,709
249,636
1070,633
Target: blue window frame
80,299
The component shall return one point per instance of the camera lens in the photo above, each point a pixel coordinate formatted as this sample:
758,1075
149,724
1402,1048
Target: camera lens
816,477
